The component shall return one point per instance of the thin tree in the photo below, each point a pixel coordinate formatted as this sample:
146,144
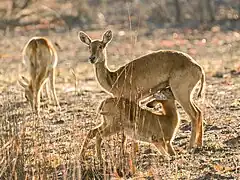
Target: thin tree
207,10
178,11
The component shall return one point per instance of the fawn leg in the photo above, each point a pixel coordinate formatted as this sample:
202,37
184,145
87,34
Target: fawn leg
170,148
162,148
91,134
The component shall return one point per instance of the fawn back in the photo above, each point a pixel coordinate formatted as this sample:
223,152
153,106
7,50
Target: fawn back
127,114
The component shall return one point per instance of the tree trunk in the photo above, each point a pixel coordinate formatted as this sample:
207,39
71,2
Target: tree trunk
211,9
207,10
178,11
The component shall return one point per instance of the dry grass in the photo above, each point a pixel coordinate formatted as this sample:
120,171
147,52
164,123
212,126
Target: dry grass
48,147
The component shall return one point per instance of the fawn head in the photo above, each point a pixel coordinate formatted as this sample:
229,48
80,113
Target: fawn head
28,89
118,108
96,47
108,107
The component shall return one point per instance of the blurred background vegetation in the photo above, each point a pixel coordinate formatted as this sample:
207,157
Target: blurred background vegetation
61,15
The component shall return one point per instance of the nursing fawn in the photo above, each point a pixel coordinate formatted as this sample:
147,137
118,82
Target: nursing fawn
120,114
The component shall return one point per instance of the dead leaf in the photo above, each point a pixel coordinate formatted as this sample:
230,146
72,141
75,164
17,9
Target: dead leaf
218,167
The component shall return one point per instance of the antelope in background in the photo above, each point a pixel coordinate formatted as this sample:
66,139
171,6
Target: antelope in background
146,75
120,114
40,57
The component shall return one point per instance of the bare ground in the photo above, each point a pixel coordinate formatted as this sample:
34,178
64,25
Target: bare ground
48,147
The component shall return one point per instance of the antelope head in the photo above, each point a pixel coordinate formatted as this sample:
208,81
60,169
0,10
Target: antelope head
97,48
24,82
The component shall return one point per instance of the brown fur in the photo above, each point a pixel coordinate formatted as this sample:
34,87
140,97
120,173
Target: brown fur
146,75
40,57
123,115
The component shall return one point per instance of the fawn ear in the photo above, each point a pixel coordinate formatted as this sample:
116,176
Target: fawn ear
107,37
84,38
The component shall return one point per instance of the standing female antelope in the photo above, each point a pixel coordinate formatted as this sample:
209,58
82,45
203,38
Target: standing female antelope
146,75
40,57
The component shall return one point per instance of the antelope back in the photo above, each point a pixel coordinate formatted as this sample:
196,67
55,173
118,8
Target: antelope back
39,53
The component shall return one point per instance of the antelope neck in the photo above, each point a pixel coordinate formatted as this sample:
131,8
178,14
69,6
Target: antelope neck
104,75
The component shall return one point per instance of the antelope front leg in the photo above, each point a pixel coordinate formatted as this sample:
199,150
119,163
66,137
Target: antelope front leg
45,91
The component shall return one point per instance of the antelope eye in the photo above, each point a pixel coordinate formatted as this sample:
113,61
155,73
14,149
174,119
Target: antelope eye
89,49
100,46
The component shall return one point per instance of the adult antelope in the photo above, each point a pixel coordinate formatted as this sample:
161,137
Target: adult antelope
146,75
40,57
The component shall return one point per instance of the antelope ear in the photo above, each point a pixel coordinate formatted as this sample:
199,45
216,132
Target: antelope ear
25,80
107,37
84,38
22,83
